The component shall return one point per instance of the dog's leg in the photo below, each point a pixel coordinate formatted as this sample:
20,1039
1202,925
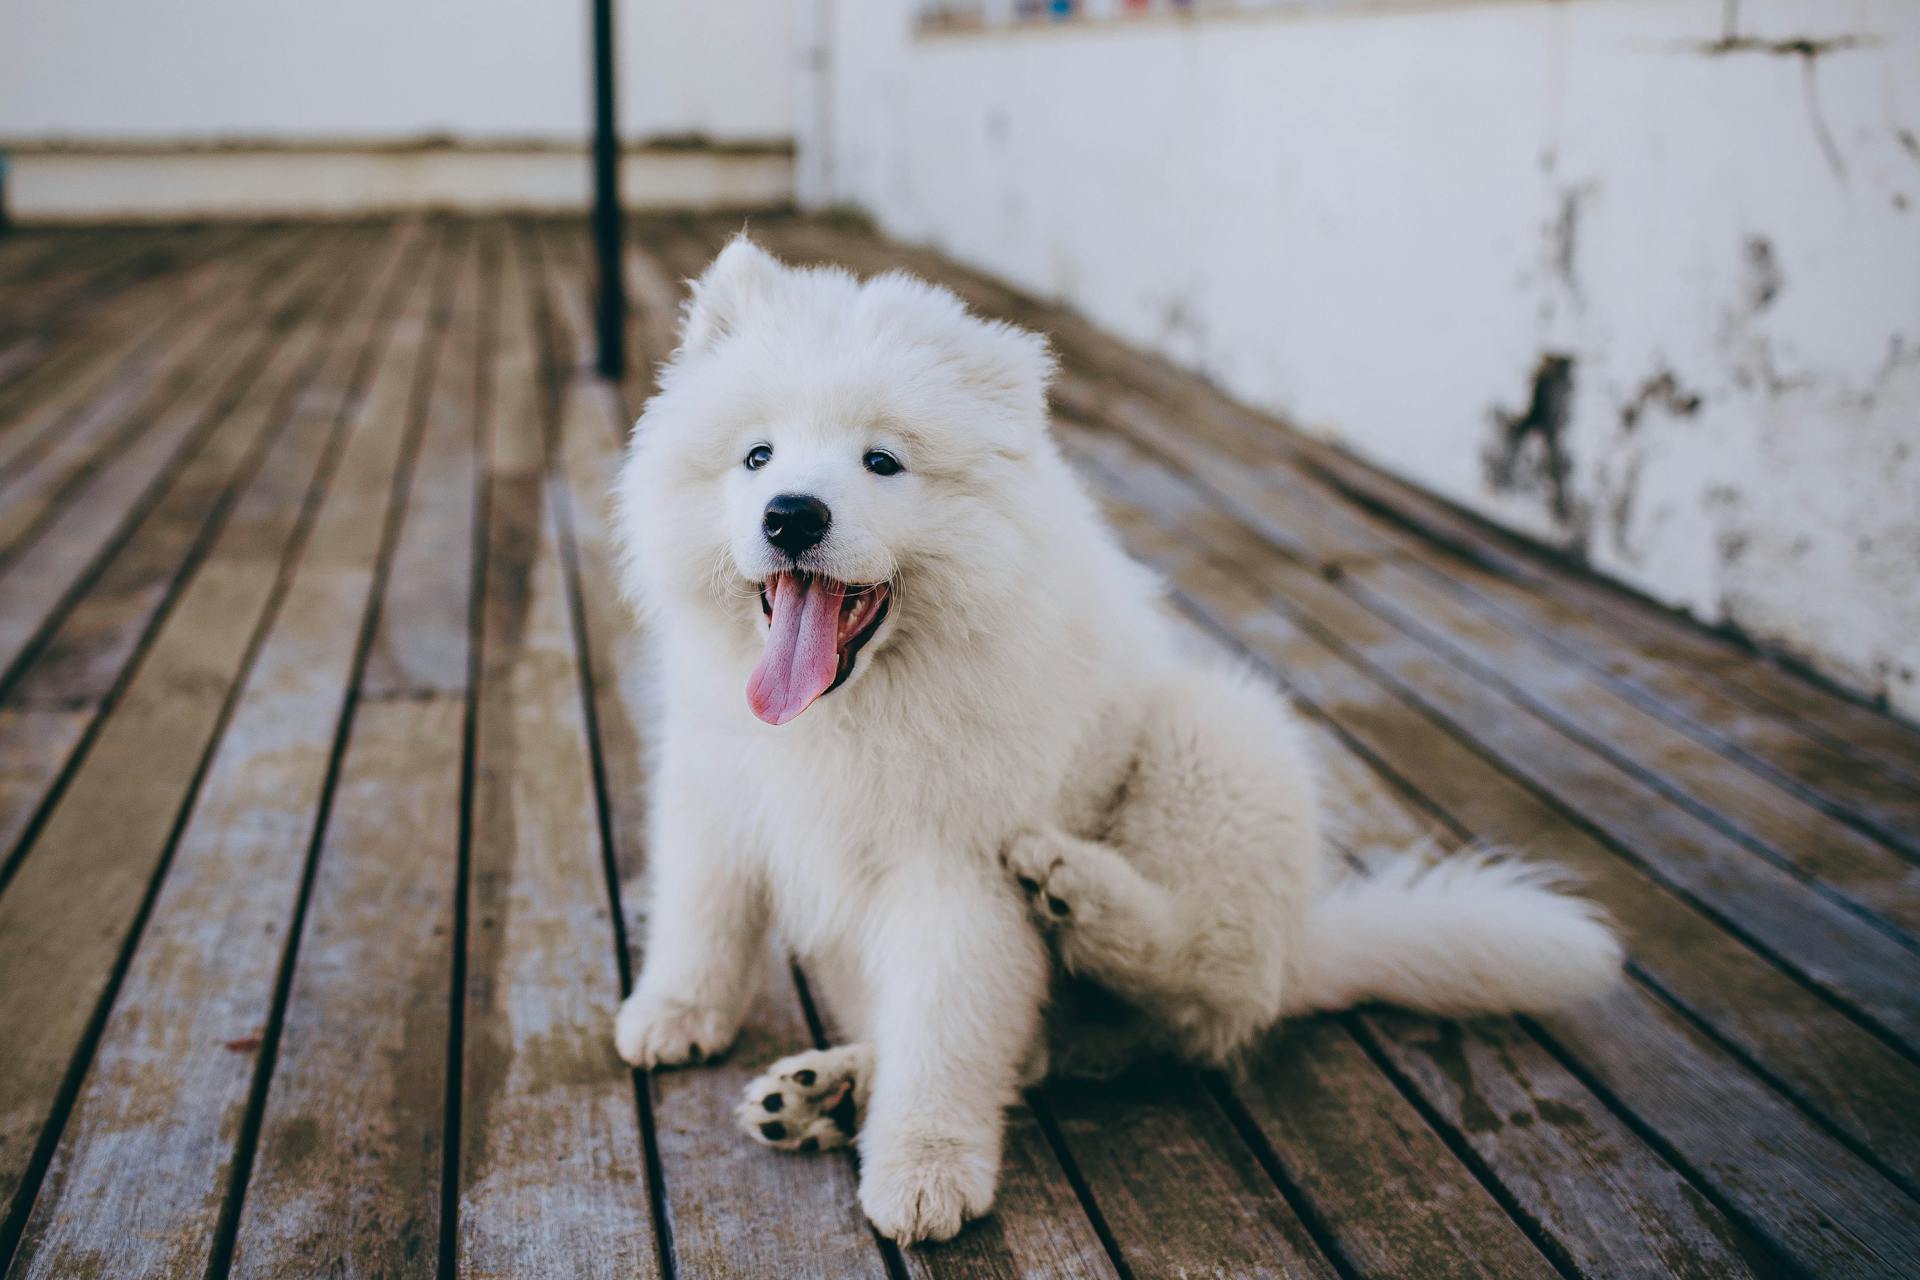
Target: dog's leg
959,976
811,1101
1194,905
706,927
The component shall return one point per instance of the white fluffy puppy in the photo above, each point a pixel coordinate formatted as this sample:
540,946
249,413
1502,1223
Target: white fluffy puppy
918,709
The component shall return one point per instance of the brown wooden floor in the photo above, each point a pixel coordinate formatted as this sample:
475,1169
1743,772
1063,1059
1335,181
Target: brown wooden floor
319,810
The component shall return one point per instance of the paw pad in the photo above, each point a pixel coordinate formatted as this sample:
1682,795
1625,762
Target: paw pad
817,1108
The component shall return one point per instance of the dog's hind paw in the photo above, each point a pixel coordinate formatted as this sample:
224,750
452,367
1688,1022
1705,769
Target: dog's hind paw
1043,866
810,1101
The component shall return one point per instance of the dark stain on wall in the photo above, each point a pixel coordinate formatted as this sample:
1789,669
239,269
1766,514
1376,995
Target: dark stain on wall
1764,280
1663,390
1795,47
1528,452
1565,235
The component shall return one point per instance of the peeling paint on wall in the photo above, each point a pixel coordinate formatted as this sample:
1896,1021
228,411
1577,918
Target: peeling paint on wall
1635,278
1528,453
1662,390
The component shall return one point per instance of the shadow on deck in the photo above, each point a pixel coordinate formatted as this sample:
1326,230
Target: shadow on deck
319,810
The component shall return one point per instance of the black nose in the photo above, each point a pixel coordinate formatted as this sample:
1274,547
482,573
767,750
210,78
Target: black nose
796,521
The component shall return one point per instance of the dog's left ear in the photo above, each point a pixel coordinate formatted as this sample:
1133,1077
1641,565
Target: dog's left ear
998,362
742,274
1010,365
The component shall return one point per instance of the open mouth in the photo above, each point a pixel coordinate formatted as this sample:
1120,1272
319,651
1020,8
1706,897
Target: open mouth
815,628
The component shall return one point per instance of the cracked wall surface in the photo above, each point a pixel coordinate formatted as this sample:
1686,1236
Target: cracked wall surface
1639,278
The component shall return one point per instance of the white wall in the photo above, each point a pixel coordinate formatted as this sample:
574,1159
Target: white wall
1377,219
386,69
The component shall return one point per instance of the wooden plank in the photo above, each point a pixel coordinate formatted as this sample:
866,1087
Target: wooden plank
62,305
59,277
1521,579
347,1176
737,1209
1856,790
35,582
1606,1202
22,248
1602,1199
553,1180
52,698
30,311
151,1137
45,695
113,357
1842,724
1783,1174
67,912
1039,1228
1179,1192
108,424
655,292
1768,818
1390,1195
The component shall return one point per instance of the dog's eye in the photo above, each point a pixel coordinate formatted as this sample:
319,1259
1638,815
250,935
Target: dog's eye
881,463
757,457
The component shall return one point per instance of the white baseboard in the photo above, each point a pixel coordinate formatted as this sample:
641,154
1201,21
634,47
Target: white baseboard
93,184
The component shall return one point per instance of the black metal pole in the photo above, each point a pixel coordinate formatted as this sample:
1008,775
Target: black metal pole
606,197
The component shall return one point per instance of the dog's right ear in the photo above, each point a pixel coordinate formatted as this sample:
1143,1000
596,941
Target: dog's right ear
732,282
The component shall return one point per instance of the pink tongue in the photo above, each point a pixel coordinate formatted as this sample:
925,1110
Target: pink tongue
803,647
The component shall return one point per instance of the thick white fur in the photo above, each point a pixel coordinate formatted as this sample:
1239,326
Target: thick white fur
1023,781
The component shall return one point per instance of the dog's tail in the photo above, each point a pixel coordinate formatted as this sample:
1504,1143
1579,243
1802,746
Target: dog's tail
1473,933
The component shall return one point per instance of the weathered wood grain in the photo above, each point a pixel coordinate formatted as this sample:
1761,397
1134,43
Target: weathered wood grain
68,672
53,697
1391,1197
553,1179
66,913
115,363
56,310
1604,1201
1179,1191
1854,789
35,579
346,1178
151,1137
1844,725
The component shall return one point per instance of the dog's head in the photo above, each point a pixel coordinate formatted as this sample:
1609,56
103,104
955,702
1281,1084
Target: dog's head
827,464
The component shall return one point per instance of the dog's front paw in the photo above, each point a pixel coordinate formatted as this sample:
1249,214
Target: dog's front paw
808,1102
925,1188
654,1031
